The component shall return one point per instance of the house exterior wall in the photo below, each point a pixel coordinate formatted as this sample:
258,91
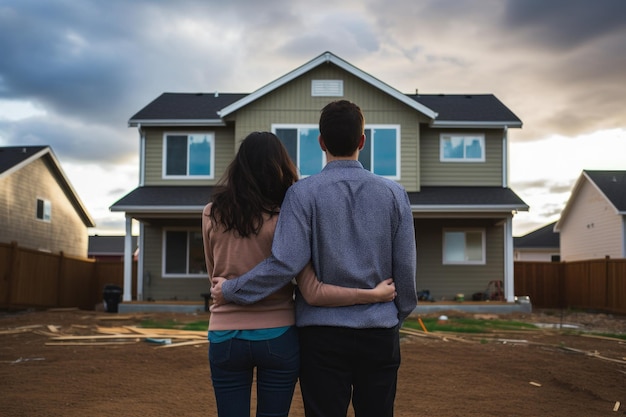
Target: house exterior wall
155,286
445,281
224,153
19,192
592,228
535,255
293,104
437,173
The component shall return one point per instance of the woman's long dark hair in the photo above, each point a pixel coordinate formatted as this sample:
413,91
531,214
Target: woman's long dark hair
255,183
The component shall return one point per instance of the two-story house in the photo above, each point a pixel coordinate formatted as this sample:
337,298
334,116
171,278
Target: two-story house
450,152
39,208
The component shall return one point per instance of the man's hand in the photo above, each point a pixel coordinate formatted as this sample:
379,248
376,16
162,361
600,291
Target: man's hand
216,291
385,291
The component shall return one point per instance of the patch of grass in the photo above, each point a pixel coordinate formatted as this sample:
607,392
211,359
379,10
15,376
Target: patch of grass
173,324
468,325
611,335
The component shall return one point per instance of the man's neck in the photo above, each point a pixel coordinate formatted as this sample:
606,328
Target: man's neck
331,158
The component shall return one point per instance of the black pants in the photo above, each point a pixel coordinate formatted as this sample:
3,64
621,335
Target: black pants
337,364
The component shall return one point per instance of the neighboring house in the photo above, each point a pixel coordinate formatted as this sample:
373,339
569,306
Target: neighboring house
39,209
541,245
109,248
593,222
450,152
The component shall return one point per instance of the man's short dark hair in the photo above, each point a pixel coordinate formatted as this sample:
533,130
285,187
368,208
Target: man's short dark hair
341,127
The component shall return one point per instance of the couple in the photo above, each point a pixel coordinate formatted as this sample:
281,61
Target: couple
341,233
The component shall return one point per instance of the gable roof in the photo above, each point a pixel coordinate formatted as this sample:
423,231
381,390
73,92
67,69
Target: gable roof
208,109
544,237
611,184
325,58
14,158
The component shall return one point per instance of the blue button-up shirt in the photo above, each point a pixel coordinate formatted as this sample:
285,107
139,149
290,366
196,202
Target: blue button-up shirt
357,228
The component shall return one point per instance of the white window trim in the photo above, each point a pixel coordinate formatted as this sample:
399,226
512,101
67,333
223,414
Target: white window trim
188,177
370,127
465,231
47,203
480,136
277,126
164,254
399,150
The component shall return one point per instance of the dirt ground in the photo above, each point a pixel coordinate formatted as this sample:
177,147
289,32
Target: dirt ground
545,372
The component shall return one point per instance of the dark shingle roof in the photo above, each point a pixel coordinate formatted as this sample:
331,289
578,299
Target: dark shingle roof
467,196
544,237
11,156
205,106
109,245
186,106
153,197
470,108
613,186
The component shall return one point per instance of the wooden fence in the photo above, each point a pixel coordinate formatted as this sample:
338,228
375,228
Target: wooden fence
29,278
598,284
34,279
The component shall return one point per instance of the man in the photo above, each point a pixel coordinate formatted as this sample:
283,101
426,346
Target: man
357,229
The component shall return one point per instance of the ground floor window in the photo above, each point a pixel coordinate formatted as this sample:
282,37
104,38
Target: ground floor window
183,254
464,246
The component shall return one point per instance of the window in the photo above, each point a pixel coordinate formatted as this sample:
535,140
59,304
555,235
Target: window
303,147
44,210
462,148
464,247
188,155
183,254
380,154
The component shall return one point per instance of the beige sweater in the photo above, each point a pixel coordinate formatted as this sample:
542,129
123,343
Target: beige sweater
229,256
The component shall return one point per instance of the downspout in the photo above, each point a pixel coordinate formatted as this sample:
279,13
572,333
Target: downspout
509,282
140,289
505,157
142,152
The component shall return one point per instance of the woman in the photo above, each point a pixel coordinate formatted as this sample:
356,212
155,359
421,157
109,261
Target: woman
238,228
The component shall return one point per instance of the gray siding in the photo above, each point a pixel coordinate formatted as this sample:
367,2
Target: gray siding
445,281
294,104
155,286
436,173
224,153
19,192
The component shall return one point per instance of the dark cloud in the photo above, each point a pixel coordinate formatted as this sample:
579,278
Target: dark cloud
564,24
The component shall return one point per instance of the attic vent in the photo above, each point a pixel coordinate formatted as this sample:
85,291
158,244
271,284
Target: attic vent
327,88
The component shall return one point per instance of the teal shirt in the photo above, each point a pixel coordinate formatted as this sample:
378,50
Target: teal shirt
218,336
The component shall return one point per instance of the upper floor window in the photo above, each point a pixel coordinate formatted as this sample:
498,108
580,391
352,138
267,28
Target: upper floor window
381,151
303,146
183,254
188,155
462,148
380,155
464,246
44,210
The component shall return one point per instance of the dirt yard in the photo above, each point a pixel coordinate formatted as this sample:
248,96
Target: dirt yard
46,370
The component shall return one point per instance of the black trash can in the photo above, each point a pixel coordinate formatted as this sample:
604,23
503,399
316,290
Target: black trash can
112,295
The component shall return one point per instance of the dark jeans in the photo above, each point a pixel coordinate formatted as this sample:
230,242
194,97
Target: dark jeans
232,366
337,364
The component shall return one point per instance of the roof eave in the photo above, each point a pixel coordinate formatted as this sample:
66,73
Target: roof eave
463,124
158,209
450,208
175,122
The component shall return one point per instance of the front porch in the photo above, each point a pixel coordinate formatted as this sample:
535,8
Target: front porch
423,307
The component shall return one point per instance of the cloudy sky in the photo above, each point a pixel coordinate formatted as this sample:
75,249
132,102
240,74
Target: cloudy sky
73,72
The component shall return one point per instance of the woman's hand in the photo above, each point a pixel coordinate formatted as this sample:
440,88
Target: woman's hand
385,291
